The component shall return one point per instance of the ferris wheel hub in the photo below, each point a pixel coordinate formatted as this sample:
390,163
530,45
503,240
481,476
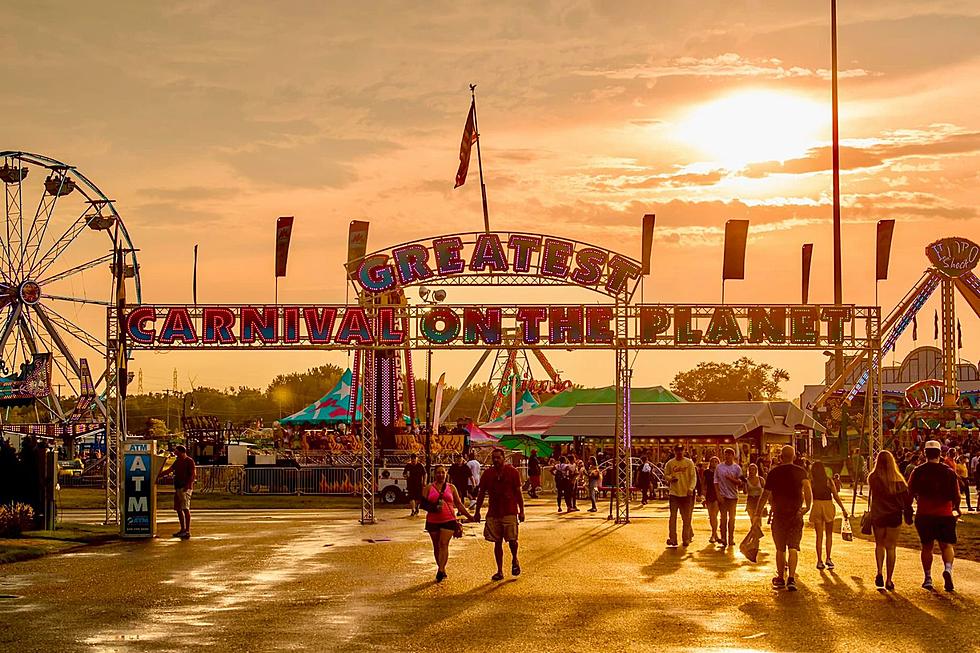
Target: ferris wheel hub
30,292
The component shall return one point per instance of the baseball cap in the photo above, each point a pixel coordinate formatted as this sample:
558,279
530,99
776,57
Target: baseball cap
933,444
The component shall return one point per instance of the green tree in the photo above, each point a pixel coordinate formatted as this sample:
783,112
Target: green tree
739,381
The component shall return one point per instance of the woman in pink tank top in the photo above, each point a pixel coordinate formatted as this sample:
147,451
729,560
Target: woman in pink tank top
442,524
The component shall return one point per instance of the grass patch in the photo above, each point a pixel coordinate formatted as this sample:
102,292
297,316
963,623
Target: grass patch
34,544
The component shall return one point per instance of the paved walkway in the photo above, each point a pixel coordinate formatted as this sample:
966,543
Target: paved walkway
309,580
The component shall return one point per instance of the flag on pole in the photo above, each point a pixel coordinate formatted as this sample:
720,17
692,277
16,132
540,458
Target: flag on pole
195,275
883,248
807,259
935,321
284,229
959,335
915,328
437,407
466,146
513,404
736,234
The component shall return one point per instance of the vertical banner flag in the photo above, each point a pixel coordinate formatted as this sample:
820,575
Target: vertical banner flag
466,145
284,229
883,248
649,220
357,237
935,322
122,367
437,405
736,233
959,335
513,404
915,328
195,276
807,259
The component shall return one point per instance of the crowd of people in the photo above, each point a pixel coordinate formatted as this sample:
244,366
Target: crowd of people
921,487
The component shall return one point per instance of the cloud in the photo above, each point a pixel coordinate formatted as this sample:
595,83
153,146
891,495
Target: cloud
724,65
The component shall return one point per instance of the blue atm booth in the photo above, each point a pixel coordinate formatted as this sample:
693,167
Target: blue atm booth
141,465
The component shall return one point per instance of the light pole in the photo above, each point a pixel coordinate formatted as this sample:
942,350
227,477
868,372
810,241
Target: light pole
438,296
838,287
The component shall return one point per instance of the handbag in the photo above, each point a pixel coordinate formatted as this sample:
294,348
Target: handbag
846,533
458,533
867,528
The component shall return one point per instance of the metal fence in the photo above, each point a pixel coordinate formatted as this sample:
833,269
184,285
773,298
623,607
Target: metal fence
307,480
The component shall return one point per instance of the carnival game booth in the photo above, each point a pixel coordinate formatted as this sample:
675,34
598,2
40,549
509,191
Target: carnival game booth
704,428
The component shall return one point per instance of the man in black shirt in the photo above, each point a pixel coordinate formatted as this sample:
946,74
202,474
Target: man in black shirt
460,474
788,489
414,480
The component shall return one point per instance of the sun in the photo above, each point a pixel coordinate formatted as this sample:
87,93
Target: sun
755,125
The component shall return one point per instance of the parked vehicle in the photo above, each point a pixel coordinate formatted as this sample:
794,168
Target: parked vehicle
392,486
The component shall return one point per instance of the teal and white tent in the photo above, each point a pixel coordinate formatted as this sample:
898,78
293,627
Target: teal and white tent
332,408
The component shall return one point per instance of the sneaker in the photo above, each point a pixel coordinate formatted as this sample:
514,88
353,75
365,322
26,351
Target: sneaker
497,576
515,569
820,564
593,510
178,534
791,584
927,584
890,586
722,543
559,511
947,581
830,563
879,581
440,575
778,582
712,539
186,535
686,543
671,543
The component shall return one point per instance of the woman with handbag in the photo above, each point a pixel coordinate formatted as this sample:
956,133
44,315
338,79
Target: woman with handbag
440,502
823,513
889,502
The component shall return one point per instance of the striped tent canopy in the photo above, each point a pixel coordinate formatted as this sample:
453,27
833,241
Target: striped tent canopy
332,408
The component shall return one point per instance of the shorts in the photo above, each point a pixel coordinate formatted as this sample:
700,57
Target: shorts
787,531
435,527
414,493
893,520
182,499
535,481
822,512
934,528
498,529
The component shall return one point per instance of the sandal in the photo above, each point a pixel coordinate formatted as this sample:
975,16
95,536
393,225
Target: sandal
497,576
515,569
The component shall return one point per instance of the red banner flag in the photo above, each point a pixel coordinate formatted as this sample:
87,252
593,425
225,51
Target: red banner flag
466,145
284,229
807,259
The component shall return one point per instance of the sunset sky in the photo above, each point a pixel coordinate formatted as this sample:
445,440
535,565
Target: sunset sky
206,120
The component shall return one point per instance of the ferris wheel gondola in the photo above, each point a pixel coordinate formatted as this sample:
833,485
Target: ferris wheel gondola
57,266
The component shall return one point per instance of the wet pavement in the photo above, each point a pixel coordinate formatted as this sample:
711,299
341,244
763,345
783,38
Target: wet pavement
311,580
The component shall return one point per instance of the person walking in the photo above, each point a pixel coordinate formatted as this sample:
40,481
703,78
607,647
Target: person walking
592,472
857,472
533,474
643,479
711,496
754,485
788,488
823,514
559,471
728,479
681,476
414,473
888,494
442,525
184,472
459,476
936,491
502,484
963,475
475,470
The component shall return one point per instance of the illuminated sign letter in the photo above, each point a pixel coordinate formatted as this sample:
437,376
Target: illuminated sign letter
388,332
354,326
440,325
217,325
375,274
804,327
590,262
135,322
265,324
178,326
531,318
482,324
767,325
723,326
565,324
621,270
488,251
447,255
684,334
523,246
319,324
554,258
835,317
290,324
411,262
597,320
654,322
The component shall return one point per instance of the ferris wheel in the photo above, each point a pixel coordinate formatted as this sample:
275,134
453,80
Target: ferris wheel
63,239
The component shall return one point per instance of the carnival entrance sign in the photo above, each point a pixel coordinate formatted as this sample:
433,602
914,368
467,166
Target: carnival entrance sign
382,324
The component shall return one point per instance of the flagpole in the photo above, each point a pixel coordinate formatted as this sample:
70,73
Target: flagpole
479,162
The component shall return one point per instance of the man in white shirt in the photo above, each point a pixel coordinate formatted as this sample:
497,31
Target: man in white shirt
682,477
474,466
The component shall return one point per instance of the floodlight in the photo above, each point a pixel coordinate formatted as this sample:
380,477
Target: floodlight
439,295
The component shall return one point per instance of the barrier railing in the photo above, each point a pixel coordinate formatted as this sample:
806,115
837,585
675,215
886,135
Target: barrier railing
308,480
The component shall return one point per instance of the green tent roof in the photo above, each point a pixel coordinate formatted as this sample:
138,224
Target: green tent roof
607,395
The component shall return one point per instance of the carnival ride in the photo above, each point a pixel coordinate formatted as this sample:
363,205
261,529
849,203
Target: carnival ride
67,257
928,404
